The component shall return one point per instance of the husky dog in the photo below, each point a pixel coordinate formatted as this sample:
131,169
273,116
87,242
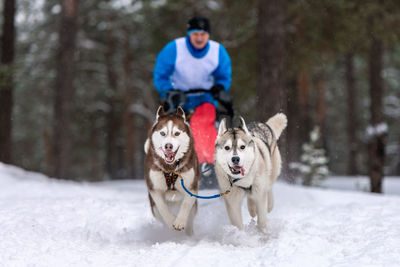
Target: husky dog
170,155
247,162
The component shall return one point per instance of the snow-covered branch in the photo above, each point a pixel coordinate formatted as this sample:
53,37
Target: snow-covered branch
379,129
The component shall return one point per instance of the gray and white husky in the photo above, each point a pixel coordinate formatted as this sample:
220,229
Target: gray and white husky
169,153
247,163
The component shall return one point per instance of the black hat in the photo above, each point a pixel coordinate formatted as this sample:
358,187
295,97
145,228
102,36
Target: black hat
198,23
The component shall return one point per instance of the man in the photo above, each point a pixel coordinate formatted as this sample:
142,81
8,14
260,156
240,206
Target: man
195,62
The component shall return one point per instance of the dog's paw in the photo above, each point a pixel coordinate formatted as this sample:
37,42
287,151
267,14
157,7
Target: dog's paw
261,224
252,208
270,207
179,225
170,222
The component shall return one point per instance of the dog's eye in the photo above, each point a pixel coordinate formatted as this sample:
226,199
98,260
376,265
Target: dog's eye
177,133
242,147
227,147
162,133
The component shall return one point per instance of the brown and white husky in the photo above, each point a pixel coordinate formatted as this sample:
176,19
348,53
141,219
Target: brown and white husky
247,162
170,154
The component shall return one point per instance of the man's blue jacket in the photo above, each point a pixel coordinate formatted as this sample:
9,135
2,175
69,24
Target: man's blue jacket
181,66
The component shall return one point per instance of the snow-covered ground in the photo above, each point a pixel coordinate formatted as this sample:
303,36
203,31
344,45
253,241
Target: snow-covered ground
391,185
46,222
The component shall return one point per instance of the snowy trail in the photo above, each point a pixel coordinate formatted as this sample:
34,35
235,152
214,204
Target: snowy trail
45,222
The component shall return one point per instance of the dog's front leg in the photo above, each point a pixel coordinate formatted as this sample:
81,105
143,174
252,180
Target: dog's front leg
261,205
270,200
166,214
188,201
234,209
186,206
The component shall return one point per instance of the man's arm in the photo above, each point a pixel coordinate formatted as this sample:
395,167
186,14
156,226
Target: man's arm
223,73
164,67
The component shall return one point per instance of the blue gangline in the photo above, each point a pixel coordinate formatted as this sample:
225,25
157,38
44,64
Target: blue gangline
197,196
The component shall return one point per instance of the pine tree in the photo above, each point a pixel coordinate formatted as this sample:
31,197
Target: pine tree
313,166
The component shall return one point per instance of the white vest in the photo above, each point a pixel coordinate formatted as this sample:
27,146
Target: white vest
191,72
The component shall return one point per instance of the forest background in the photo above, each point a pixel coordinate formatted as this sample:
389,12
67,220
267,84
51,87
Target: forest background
77,98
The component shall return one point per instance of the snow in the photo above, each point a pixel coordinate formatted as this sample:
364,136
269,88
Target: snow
377,130
48,222
390,186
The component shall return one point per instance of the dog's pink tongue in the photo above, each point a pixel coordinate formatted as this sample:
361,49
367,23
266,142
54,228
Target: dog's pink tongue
238,168
170,155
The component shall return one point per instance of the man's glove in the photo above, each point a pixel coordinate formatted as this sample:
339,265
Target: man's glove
177,97
216,89
174,99
223,97
219,93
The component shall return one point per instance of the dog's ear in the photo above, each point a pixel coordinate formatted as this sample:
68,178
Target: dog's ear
160,112
222,127
180,112
243,126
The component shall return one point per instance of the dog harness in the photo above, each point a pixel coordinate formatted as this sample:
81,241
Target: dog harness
170,179
233,181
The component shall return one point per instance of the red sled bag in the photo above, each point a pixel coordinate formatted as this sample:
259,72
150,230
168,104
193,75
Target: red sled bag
204,132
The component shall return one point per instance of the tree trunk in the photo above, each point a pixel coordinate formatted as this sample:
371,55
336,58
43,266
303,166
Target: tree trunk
321,108
377,131
293,141
46,132
48,160
6,80
352,120
114,156
271,92
129,120
305,107
64,89
398,158
95,163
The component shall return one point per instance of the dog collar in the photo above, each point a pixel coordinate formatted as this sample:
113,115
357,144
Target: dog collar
234,180
246,188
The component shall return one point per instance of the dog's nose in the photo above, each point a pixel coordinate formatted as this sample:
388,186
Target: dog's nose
235,160
169,146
